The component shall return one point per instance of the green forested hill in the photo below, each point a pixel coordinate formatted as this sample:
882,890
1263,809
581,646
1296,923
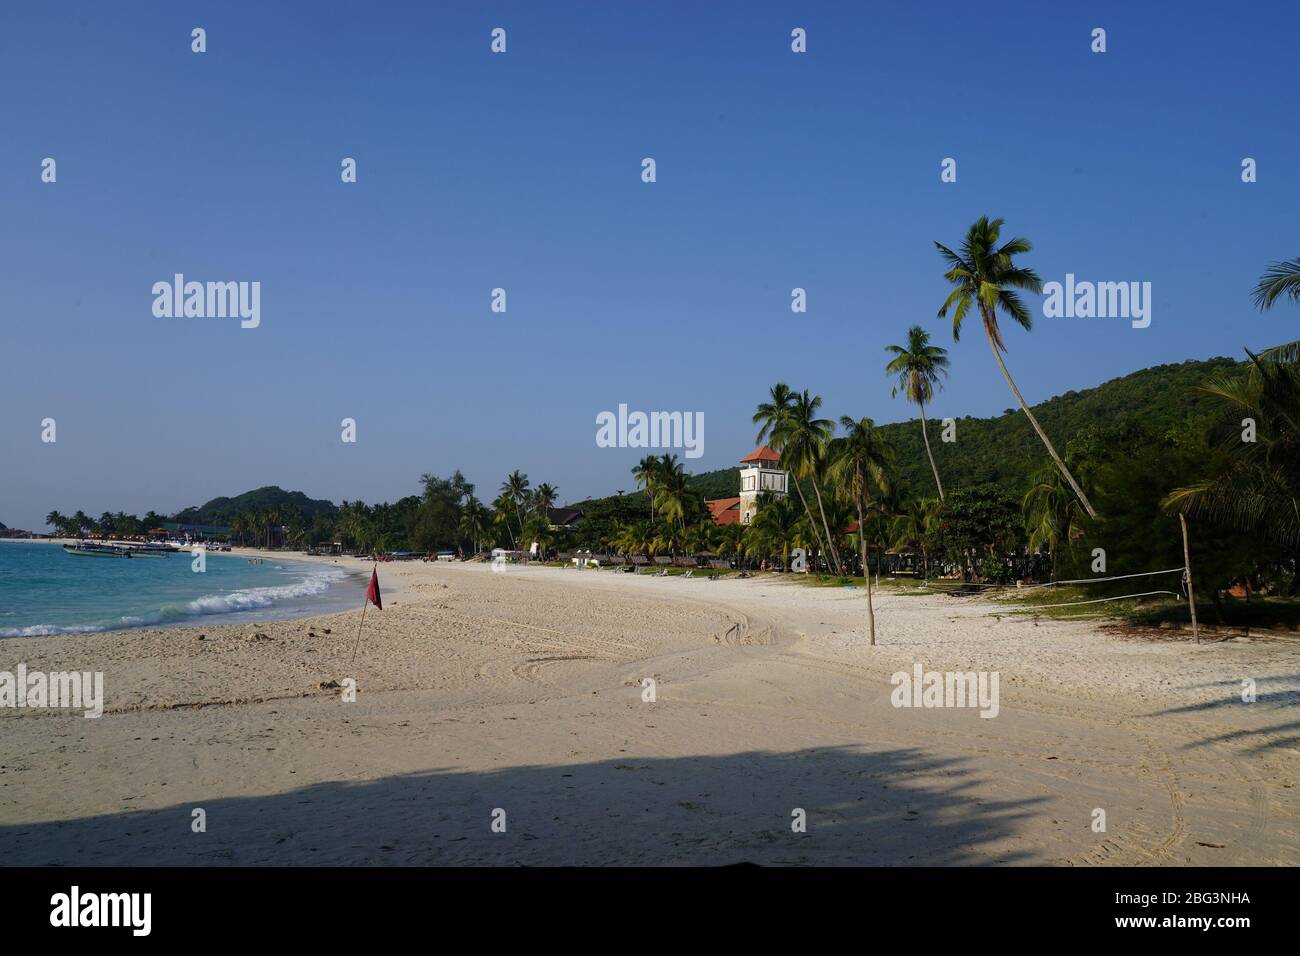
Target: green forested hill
221,511
1005,451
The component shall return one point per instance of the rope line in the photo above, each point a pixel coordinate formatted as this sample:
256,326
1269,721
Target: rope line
1118,597
1181,594
1052,584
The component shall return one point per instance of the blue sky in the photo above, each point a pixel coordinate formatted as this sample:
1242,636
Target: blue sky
522,171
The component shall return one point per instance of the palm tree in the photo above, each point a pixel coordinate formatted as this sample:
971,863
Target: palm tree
985,276
502,505
885,505
912,527
775,527
544,500
918,366
516,487
672,496
699,537
1257,488
730,540
295,526
272,519
772,415
803,439
1052,513
56,521
354,524
646,474
476,523
859,467
631,539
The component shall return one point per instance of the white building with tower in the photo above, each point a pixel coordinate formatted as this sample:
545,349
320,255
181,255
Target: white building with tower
760,471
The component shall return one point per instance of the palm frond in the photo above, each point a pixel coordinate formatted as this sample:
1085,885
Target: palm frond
1280,280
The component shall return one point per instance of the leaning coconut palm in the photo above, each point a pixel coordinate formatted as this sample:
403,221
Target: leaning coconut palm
919,365
1257,488
803,439
859,468
985,276
1281,281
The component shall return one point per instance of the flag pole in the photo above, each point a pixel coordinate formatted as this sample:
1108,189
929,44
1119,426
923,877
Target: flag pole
359,626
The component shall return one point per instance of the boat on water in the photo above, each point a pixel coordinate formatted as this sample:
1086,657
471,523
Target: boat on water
86,549
143,550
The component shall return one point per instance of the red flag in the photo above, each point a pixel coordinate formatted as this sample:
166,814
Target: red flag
372,592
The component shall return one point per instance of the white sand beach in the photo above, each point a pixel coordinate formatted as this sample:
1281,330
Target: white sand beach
522,691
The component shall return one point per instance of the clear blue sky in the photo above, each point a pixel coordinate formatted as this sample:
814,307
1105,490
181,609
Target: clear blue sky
775,170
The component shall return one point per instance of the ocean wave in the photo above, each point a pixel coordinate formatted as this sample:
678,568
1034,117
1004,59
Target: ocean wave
252,599
48,630
245,599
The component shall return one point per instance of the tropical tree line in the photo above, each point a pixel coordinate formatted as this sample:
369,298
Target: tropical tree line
1121,487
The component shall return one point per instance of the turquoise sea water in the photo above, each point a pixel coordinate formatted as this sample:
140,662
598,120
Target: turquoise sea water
45,591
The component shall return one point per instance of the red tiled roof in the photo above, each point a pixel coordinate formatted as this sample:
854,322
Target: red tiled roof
763,454
724,510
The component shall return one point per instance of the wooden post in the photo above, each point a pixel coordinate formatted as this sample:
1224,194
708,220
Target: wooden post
1187,566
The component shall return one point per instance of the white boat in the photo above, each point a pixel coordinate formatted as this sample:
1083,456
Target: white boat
143,550
86,549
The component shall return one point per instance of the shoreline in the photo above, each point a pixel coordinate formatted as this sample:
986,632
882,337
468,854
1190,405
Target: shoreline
329,600
524,690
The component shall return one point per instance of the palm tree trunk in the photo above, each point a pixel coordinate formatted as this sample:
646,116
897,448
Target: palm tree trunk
808,511
866,574
929,454
1083,499
830,547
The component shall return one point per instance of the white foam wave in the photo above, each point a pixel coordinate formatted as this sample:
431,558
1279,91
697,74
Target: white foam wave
247,599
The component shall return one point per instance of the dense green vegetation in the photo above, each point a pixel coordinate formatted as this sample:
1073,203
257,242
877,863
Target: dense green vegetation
222,511
1004,450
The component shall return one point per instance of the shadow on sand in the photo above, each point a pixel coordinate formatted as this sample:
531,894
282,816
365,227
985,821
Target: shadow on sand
892,807
1282,697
